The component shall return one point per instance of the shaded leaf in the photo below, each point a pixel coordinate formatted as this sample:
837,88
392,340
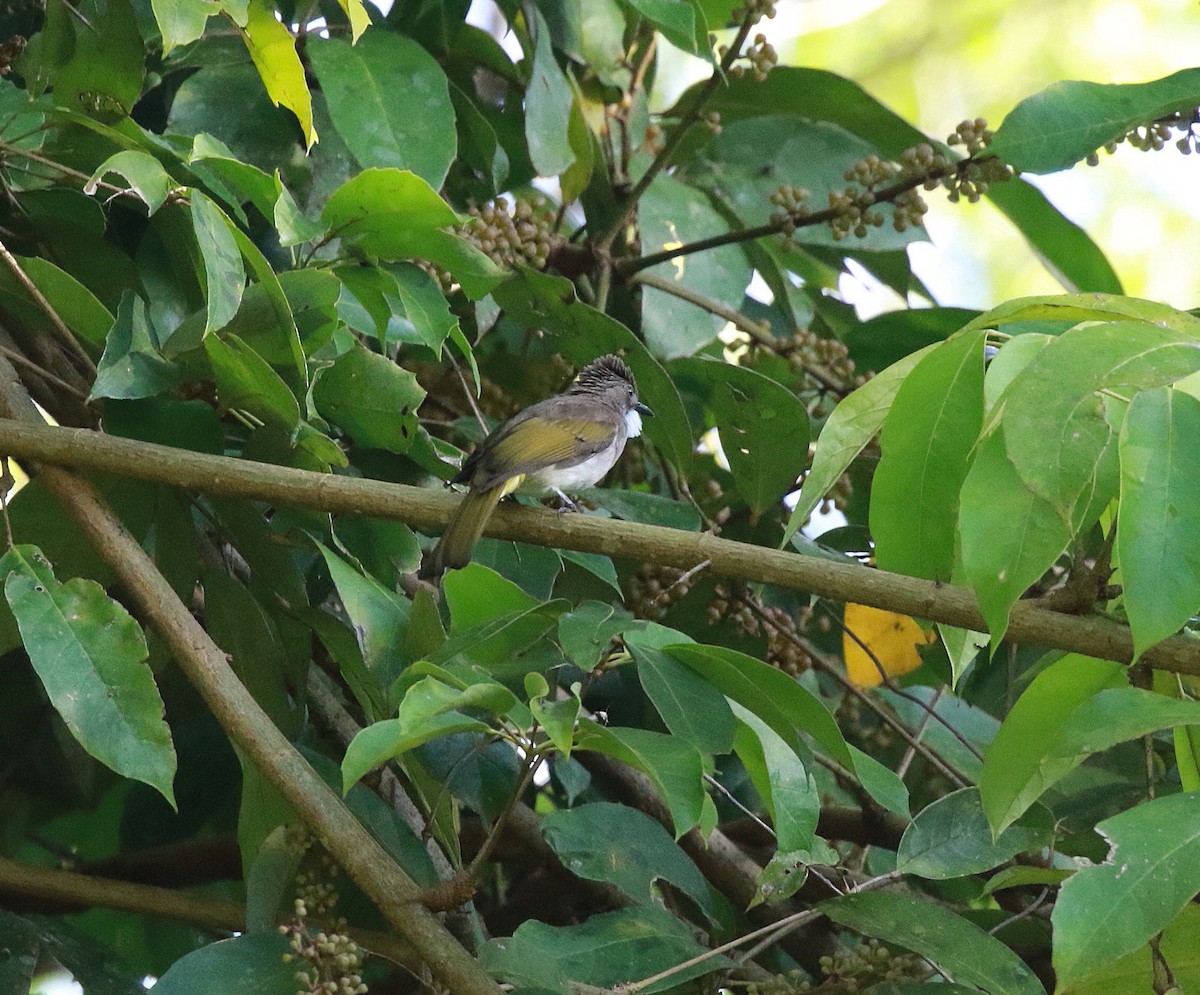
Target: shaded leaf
390,102
370,398
548,102
145,175
91,658
241,964
133,365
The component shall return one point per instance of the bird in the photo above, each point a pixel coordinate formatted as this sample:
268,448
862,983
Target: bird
560,444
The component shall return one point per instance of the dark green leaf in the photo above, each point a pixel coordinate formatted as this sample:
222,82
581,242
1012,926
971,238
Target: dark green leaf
371,398
390,102
74,303
242,964
586,632
547,107
776,698
671,213
642,506
224,275
960,948
91,657
951,838
377,616
681,22
608,949
692,709
133,364
618,844
424,305
674,766
763,427
246,382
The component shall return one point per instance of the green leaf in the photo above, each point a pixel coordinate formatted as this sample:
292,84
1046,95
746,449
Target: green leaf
424,305
1152,871
246,382
751,158
377,616
558,718
1022,760
787,788
671,213
145,175
92,54
927,438
1067,121
846,433
133,365
586,632
1054,428
960,948
224,275
618,844
248,963
581,333
548,102
1064,248
951,838
674,766
691,708
75,303
1160,504
390,102
776,698
1133,974
91,658
642,506
763,427
1076,308
478,144
882,783
273,50
371,398
428,711
394,214
1008,535
681,22
181,22
603,952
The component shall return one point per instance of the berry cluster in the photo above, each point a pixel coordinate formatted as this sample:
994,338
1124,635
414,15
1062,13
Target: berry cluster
858,969
1153,137
332,962
654,589
971,177
513,235
730,603
754,10
761,56
791,201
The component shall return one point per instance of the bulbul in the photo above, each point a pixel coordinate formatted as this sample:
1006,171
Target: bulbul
559,444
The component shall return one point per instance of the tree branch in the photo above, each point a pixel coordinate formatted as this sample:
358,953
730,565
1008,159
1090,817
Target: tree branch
425,508
732,315
43,887
247,725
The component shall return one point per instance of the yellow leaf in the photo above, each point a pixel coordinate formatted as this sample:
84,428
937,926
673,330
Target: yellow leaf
882,636
357,15
273,50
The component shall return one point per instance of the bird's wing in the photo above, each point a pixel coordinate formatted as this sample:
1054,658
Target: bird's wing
535,443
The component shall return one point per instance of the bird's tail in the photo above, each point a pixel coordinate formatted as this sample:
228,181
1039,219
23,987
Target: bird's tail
454,548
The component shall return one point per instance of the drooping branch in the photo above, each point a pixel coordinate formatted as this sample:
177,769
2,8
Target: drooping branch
247,725
427,509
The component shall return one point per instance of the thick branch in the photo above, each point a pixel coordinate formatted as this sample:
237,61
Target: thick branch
247,725
428,509
41,888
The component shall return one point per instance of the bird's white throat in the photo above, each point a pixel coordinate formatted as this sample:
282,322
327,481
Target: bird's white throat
633,423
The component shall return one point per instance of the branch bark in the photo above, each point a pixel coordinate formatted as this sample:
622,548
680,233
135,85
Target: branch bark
246,724
426,509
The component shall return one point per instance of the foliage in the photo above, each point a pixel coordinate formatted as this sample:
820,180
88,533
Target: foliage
311,245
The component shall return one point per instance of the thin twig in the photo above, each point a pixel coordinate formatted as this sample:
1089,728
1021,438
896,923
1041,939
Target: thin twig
60,326
776,929
533,760
676,136
919,732
24,361
732,315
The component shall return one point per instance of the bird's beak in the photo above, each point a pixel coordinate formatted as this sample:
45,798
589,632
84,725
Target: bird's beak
643,409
